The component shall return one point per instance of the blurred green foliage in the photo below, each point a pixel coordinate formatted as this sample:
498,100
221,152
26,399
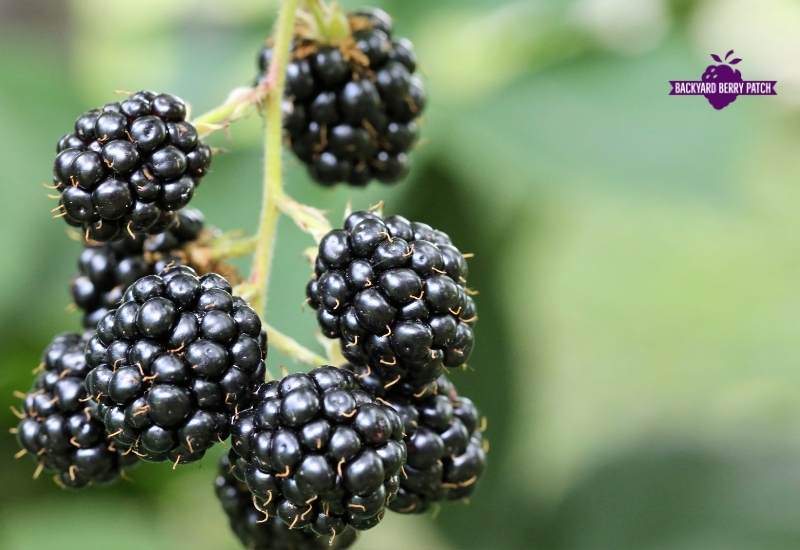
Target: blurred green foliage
636,255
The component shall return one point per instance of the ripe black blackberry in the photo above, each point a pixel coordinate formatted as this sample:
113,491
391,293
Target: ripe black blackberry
352,103
446,455
128,166
273,534
107,269
59,428
173,363
319,452
394,292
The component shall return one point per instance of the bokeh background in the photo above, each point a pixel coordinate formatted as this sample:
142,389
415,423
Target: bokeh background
638,257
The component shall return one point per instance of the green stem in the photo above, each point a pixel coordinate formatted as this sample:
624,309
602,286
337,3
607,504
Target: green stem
316,10
307,218
238,104
226,247
291,347
273,169
329,19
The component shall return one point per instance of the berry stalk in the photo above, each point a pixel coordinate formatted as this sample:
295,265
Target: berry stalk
315,9
273,168
329,22
307,218
231,245
292,348
237,105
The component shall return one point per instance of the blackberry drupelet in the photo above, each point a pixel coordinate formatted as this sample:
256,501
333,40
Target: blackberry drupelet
444,439
352,107
254,533
107,269
394,292
59,428
375,383
128,166
319,452
173,363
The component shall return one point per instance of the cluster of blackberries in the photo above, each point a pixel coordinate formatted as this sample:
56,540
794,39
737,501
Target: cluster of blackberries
352,107
129,166
394,293
160,378
172,362
167,359
329,451
59,426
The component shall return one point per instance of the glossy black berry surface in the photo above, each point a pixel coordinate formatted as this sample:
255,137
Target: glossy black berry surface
105,270
319,453
173,363
59,428
394,292
352,109
128,166
257,532
446,455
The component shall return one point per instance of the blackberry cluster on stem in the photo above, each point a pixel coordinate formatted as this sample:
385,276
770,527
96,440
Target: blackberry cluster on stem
353,100
394,293
128,166
177,362
173,363
59,427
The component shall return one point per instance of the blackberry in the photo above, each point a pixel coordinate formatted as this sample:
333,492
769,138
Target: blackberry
319,453
253,532
446,456
59,429
173,363
352,107
128,166
107,269
394,293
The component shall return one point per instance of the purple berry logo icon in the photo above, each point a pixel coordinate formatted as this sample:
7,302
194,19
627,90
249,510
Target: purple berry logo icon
722,73
722,83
